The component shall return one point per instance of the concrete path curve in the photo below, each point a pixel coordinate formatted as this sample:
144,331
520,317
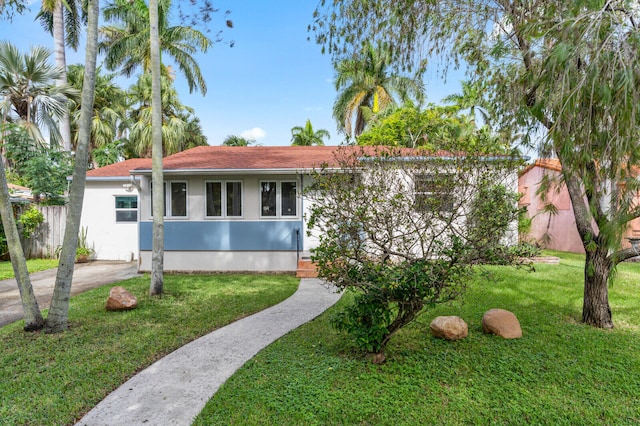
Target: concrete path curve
176,388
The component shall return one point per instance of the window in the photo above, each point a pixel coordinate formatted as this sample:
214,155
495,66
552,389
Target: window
126,208
433,192
289,198
223,199
175,198
234,198
268,198
178,199
278,198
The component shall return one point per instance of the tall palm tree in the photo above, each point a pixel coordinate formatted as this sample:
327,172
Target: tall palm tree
29,94
306,136
173,114
109,109
58,17
57,320
364,85
126,43
156,285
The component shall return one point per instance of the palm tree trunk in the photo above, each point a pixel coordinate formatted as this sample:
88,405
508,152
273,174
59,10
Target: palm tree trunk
32,316
61,61
58,317
157,178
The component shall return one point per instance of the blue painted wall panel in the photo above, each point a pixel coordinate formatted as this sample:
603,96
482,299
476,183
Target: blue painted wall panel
224,235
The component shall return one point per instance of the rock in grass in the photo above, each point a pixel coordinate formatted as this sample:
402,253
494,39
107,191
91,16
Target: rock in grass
501,323
449,327
120,299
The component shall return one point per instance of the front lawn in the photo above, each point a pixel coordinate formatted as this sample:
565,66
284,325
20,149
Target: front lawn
55,379
560,373
33,265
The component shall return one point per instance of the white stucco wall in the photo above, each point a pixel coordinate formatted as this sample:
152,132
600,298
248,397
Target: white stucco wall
111,240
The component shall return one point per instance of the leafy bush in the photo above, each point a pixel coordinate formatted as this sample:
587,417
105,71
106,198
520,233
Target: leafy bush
29,220
393,230
493,210
396,294
43,169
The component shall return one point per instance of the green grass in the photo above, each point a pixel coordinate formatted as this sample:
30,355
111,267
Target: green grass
34,265
55,379
560,373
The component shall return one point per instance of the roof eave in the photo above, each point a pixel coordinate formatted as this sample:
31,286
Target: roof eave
226,171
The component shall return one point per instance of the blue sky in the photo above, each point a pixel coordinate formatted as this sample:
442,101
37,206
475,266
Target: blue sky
271,80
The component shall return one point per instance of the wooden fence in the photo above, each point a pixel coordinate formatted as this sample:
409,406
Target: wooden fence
48,237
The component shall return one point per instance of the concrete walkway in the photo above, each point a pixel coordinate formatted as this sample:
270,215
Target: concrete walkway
176,388
85,277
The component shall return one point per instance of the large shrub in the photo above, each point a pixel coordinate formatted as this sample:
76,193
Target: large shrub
393,227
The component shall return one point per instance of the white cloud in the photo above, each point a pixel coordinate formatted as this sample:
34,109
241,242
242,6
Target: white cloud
256,133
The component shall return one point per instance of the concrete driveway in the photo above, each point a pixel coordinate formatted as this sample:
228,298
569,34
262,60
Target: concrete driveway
85,277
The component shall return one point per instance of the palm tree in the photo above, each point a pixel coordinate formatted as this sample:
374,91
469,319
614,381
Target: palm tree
28,91
57,320
173,118
56,16
109,109
365,86
193,135
306,136
126,44
156,286
234,140
471,98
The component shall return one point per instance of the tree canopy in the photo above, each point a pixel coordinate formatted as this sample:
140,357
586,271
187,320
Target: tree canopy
126,42
434,128
10,7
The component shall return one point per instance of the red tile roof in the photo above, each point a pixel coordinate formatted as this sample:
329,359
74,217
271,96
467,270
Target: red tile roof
545,163
119,169
549,163
250,158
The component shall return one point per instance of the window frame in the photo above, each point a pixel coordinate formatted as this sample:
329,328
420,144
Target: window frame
126,209
279,199
168,199
224,198
433,182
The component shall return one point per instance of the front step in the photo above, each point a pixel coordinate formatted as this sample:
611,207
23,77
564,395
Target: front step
306,269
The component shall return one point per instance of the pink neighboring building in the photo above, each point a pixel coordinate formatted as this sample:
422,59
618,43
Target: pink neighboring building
554,231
